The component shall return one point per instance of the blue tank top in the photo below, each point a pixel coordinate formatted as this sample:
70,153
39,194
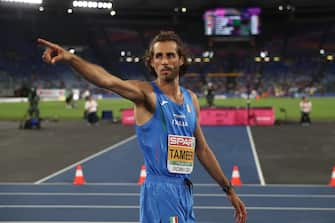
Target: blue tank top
169,118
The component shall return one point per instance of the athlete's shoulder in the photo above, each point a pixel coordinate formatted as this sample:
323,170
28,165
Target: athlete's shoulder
194,99
193,95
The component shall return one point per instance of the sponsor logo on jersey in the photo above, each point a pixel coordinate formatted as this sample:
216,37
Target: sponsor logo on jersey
181,141
164,102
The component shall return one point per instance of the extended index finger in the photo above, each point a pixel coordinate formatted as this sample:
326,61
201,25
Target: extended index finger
46,43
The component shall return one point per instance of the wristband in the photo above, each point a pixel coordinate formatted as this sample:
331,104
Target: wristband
227,188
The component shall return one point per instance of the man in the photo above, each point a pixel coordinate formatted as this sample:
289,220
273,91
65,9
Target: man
305,108
167,127
34,100
210,94
32,119
69,98
91,107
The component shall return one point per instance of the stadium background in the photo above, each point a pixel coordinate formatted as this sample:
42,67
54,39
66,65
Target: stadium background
296,35
302,37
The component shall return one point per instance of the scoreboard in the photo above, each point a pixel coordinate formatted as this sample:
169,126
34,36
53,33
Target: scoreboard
232,22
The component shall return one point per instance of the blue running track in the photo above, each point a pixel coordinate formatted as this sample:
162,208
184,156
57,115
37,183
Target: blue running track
112,194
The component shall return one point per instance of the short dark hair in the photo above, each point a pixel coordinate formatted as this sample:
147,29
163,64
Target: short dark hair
164,36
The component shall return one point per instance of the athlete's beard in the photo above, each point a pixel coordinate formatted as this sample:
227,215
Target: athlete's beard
172,76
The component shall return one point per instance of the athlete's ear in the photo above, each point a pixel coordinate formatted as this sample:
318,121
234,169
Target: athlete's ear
152,63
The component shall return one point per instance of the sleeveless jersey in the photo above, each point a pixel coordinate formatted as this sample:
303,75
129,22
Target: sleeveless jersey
169,122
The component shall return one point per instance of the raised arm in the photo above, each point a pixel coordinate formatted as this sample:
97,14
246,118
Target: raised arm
92,72
212,166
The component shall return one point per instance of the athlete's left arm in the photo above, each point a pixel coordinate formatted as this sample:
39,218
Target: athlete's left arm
208,160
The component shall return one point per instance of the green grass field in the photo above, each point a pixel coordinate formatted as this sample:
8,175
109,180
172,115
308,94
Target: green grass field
323,108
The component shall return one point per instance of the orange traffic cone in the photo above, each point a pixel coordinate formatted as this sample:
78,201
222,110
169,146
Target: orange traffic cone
235,179
332,179
143,175
79,177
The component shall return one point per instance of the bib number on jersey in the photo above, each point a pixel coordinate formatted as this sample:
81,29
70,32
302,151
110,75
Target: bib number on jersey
180,154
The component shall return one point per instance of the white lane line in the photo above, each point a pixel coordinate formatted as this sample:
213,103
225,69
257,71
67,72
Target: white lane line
71,184
327,196
203,185
249,208
269,185
70,194
86,159
135,184
254,153
267,208
74,206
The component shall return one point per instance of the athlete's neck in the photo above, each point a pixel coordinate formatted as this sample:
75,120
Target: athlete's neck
171,89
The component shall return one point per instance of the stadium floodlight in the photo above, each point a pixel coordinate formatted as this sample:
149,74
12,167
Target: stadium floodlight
113,13
24,1
92,4
277,59
72,50
205,54
322,51
206,60
263,54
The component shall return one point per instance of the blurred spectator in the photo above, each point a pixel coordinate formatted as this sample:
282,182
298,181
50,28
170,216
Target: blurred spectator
305,108
33,119
69,98
34,100
85,94
210,94
91,107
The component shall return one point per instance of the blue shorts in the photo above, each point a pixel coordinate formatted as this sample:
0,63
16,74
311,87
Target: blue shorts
166,199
